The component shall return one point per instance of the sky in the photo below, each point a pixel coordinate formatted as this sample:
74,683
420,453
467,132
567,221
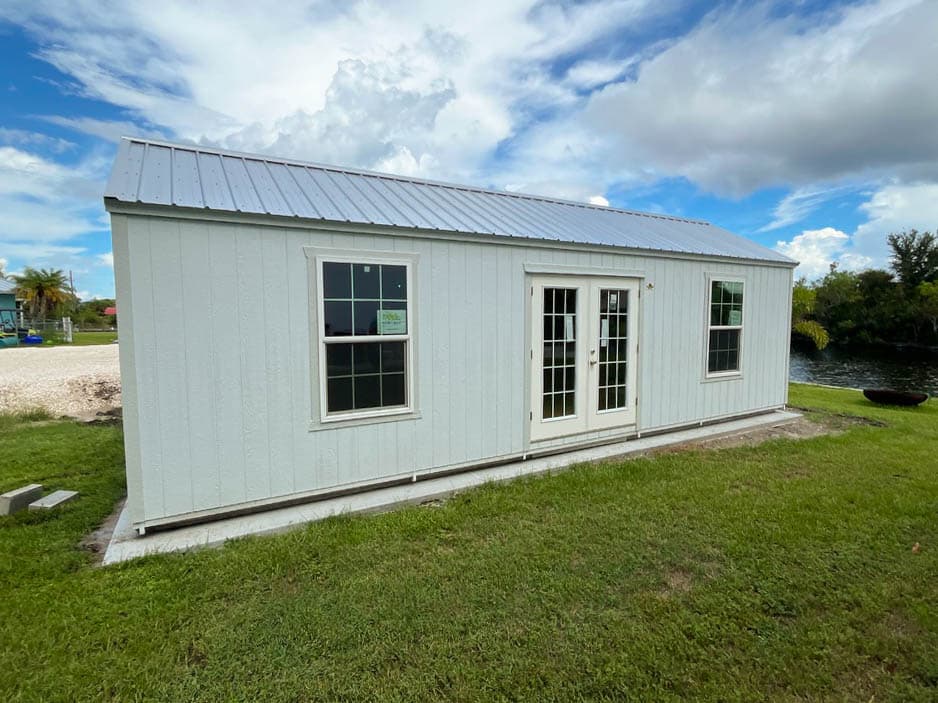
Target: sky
810,127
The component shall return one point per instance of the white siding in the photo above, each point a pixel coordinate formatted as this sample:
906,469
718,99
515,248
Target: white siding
216,342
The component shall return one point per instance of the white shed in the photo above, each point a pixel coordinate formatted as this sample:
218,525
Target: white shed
292,330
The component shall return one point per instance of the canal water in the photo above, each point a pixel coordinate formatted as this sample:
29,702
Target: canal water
902,369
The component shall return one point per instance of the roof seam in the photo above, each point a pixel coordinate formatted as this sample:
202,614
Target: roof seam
283,196
146,148
323,191
302,192
198,172
224,173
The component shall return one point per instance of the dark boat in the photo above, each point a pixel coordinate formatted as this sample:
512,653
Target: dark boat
888,397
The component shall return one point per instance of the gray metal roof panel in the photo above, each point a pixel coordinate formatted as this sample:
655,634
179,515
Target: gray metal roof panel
160,173
7,286
156,180
271,199
243,194
214,182
187,182
299,204
337,195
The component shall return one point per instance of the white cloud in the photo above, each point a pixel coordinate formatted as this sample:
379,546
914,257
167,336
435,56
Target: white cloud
801,202
591,73
44,205
45,201
110,130
106,259
817,249
22,138
753,98
598,200
891,208
749,98
896,208
421,87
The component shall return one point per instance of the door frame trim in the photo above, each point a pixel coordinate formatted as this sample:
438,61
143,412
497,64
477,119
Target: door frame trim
534,270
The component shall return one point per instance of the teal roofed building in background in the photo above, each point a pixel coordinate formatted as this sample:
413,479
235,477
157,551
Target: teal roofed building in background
7,313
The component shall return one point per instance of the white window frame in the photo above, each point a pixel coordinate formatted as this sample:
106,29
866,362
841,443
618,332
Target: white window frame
318,257
708,328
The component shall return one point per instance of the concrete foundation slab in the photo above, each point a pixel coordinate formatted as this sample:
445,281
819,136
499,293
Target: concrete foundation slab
126,544
14,501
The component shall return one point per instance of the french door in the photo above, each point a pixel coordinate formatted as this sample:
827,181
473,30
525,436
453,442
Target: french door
583,358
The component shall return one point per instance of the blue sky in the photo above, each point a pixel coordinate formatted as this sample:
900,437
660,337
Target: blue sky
806,126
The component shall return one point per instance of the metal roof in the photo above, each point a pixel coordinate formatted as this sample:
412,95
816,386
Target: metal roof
187,176
7,286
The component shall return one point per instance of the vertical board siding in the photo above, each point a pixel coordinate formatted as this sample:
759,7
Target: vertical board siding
226,361
171,353
196,290
127,353
148,387
275,331
223,358
252,328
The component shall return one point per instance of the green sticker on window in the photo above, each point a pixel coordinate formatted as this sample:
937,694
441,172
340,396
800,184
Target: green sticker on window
392,322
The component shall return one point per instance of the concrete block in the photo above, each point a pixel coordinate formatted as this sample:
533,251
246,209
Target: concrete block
53,500
17,500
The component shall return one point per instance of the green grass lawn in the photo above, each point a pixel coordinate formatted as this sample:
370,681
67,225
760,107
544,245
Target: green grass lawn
81,339
784,572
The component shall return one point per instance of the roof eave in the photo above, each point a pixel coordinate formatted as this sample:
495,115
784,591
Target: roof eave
116,206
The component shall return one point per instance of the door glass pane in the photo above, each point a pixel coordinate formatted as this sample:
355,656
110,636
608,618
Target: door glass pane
613,348
559,385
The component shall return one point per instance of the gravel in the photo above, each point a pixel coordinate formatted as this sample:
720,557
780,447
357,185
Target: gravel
74,381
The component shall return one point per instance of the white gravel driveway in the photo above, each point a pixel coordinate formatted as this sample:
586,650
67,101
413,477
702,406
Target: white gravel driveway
64,380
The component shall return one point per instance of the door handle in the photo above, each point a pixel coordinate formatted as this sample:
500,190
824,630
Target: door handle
593,360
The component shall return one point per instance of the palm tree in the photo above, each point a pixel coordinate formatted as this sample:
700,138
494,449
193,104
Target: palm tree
42,290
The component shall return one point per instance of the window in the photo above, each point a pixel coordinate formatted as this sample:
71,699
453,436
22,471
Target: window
613,348
365,334
725,327
559,394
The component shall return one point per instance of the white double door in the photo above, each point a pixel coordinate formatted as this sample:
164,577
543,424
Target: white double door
584,333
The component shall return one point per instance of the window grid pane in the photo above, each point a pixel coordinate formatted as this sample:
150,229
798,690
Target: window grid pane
559,377
613,348
354,296
363,375
726,304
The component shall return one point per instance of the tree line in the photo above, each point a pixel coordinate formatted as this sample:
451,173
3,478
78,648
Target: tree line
47,293
873,307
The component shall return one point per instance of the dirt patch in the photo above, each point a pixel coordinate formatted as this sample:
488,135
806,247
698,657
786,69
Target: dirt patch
677,581
803,428
97,541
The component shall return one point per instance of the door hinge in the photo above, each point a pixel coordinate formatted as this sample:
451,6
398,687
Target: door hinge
532,353
531,416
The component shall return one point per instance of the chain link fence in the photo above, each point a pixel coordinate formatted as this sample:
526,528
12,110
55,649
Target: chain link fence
15,327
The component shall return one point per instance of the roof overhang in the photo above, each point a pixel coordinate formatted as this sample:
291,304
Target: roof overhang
118,207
